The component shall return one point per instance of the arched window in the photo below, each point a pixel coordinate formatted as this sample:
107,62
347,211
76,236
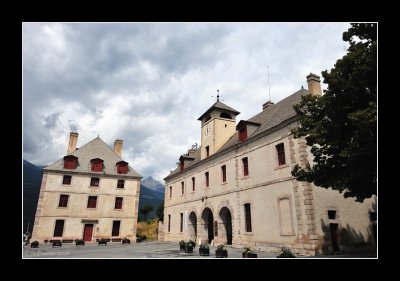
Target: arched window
225,115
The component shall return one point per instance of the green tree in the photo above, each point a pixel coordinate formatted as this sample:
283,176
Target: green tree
160,211
340,126
145,210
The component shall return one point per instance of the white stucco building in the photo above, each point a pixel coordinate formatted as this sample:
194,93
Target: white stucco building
91,193
237,187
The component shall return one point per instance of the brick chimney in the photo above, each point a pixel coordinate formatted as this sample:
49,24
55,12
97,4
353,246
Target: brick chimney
118,147
73,139
314,84
267,104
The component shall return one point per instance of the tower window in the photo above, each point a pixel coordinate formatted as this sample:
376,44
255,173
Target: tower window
183,187
193,184
223,170
280,149
207,179
225,115
207,150
245,162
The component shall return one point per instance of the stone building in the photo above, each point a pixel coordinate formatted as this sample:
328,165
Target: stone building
237,187
89,194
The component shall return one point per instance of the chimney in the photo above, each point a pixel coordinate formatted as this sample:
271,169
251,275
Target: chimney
314,84
118,147
191,152
73,139
267,104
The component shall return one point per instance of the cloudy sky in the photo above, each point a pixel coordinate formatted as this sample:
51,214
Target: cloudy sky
147,83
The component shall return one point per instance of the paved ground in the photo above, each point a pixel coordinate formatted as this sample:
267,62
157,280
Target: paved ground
151,249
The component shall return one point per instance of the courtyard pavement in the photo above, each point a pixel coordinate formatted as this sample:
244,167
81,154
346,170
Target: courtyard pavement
144,250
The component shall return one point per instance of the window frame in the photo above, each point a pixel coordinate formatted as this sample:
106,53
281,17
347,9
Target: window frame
65,181
92,180
119,183
245,165
90,202
247,215
223,172
119,203
113,228
207,181
57,228
64,199
281,154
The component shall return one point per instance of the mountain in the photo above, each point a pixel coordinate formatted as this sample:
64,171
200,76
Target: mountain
152,184
32,178
151,193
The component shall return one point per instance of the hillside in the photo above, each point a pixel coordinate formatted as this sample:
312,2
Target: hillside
32,178
152,193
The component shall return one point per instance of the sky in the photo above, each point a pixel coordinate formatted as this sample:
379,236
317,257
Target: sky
147,83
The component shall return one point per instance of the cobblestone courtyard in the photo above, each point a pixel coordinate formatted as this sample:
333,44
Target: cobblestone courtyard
151,249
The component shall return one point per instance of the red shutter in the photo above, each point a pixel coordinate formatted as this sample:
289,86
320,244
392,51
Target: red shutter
243,133
122,168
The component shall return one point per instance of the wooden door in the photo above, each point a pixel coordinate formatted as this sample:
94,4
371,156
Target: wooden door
88,232
335,244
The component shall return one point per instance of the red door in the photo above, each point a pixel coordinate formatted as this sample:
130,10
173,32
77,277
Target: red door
87,232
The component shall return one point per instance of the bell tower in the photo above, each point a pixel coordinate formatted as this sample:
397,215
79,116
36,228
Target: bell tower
218,125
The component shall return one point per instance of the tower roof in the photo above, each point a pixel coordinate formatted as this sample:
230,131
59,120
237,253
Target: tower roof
220,105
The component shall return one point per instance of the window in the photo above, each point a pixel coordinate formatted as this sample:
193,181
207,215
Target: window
170,192
169,223
63,201
223,170
67,179
122,167
59,228
285,216
181,222
245,162
120,183
70,162
92,202
243,133
247,214
207,150
182,165
94,181
183,187
115,228
331,214
97,165
225,115
193,184
207,179
280,149
118,202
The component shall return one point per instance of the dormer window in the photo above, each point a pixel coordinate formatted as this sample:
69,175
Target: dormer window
243,133
182,165
97,165
122,167
70,162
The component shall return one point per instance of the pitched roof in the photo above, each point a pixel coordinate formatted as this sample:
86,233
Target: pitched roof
96,148
268,118
220,105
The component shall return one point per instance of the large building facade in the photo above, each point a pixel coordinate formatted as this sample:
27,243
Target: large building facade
237,187
92,193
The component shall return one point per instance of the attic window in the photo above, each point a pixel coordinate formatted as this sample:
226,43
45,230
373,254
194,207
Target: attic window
243,133
70,162
97,165
225,115
182,165
122,167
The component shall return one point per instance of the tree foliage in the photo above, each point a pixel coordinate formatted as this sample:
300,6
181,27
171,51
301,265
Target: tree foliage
160,211
145,210
340,126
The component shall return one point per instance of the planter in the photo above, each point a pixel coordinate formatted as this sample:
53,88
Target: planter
126,241
249,255
79,242
57,243
189,248
35,244
204,252
182,246
221,253
102,242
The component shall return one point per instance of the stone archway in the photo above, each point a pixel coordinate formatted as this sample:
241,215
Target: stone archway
208,230
192,227
226,230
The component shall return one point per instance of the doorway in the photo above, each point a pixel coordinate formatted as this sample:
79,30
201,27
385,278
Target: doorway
88,232
334,236
226,218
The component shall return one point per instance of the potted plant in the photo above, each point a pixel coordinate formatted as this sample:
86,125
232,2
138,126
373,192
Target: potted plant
126,241
102,241
204,249
182,245
35,244
285,253
193,243
221,252
248,253
79,242
189,246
